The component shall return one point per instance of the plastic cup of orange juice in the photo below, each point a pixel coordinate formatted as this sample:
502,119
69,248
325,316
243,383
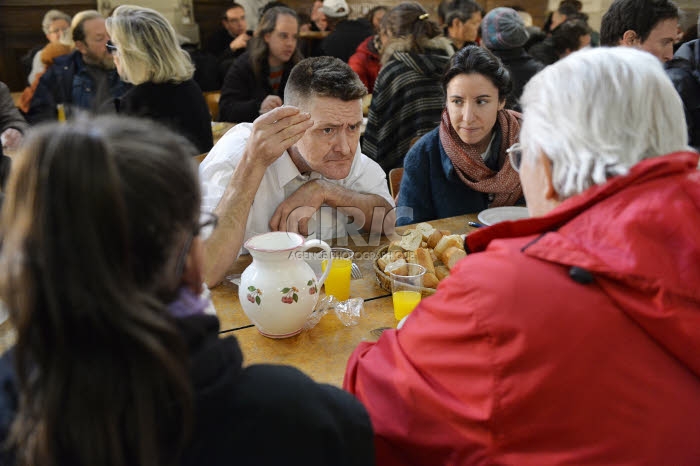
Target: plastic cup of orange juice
406,283
60,112
338,280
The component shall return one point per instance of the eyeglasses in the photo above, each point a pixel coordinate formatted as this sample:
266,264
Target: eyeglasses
515,154
203,228
58,31
111,48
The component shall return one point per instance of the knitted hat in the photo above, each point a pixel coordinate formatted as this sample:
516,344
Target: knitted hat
335,8
503,29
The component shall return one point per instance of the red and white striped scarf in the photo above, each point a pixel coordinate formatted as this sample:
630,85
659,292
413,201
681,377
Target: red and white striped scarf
470,167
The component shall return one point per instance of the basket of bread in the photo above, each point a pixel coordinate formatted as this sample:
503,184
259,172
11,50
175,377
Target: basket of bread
436,250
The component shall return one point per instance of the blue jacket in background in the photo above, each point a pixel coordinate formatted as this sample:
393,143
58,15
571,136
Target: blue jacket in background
431,187
684,71
68,82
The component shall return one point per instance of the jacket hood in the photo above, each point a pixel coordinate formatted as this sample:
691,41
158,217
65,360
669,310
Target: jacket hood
215,364
690,51
367,49
639,236
438,49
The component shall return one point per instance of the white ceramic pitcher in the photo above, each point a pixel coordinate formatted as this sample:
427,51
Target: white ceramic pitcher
279,290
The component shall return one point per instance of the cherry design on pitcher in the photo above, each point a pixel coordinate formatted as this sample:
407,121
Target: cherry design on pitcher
290,295
312,287
254,295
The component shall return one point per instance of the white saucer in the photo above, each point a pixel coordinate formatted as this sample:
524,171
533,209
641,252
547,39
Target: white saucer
501,214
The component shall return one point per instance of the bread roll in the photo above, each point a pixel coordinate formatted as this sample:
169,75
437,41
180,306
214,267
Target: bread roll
441,271
448,242
433,239
452,255
399,267
411,240
433,256
394,247
422,257
383,261
430,280
426,230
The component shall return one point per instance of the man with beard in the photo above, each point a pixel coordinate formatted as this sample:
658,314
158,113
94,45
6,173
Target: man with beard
85,79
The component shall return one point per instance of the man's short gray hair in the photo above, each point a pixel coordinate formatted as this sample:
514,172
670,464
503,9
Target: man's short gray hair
50,17
597,113
322,77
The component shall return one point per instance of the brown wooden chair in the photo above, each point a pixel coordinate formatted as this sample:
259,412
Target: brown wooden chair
395,175
212,98
200,157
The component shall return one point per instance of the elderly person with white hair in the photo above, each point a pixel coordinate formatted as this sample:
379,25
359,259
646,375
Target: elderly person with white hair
56,27
572,337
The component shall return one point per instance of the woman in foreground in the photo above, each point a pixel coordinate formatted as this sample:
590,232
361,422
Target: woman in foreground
116,361
570,337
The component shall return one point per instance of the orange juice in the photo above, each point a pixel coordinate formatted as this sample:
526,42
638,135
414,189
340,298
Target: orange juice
61,112
338,281
404,302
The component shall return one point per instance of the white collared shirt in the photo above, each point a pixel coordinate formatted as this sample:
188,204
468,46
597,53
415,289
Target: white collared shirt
280,180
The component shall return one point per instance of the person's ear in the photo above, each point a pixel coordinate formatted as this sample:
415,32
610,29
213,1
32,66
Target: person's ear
550,194
629,38
192,272
502,104
80,45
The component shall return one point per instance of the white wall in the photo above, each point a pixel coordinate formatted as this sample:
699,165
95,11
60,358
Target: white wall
595,9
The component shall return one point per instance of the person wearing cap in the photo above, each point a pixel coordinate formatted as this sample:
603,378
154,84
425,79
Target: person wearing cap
503,32
346,34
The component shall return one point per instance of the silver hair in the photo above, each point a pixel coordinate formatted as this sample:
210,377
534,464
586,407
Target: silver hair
597,113
50,17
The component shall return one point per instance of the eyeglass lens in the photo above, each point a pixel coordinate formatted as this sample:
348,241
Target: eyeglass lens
515,154
206,225
111,48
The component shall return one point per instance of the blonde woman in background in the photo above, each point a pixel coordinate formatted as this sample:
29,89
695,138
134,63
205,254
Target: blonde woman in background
146,53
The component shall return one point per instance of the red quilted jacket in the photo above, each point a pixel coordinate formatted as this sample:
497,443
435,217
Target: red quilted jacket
572,338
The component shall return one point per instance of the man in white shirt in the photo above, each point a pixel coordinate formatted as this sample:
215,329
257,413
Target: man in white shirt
297,168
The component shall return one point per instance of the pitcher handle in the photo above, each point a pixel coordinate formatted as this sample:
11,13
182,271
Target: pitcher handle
317,243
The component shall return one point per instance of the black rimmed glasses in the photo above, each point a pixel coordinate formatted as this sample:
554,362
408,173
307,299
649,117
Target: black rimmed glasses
203,228
515,154
111,48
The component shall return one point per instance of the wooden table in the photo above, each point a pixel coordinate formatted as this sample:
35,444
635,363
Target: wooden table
321,352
